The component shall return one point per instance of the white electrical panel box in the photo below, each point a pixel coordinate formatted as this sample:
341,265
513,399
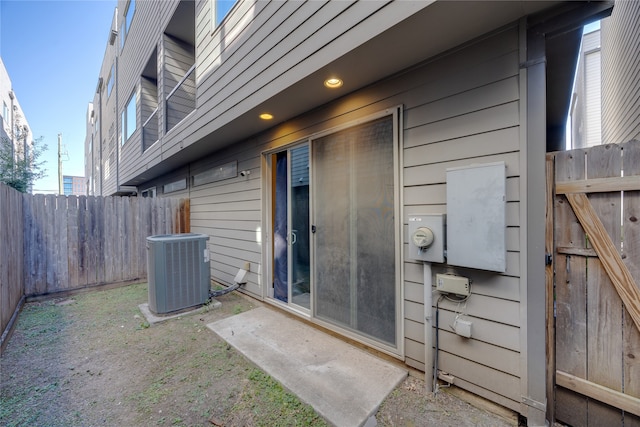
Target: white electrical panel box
426,237
476,216
450,284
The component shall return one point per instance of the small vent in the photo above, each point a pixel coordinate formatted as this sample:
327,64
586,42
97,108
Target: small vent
178,271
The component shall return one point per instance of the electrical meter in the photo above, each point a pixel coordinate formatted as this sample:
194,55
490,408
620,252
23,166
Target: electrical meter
422,237
426,237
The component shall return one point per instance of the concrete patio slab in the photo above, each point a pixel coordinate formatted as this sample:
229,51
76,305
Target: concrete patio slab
344,384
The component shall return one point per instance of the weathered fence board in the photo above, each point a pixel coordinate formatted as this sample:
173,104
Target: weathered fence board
603,304
597,343
571,282
74,242
11,255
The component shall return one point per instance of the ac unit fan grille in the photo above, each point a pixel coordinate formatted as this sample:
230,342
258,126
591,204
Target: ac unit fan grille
178,273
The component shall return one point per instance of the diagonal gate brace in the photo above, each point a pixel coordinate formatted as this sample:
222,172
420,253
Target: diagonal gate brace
611,260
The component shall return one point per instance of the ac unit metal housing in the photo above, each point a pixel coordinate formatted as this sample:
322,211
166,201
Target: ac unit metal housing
178,271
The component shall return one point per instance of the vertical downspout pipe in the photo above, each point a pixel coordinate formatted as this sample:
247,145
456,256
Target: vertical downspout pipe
428,329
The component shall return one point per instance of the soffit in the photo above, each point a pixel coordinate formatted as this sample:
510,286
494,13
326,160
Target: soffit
433,30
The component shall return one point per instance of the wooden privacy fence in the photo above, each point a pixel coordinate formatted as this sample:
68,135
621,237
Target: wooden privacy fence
51,243
73,242
596,267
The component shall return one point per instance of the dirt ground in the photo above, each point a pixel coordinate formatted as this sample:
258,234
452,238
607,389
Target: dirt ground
93,360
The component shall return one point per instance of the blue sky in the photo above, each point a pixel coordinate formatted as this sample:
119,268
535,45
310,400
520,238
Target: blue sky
53,51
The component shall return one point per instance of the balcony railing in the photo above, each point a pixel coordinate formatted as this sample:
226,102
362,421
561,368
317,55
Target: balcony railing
182,99
150,131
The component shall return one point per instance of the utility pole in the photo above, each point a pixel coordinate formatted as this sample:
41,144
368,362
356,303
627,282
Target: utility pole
60,164
12,135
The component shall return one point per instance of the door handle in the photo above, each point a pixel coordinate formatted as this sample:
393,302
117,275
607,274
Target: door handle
294,238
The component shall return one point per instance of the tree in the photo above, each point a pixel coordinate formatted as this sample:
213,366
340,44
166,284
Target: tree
20,164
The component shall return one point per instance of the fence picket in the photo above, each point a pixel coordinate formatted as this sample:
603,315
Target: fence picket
73,264
38,264
82,238
571,283
604,309
49,240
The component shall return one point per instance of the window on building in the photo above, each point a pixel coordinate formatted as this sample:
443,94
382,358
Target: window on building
110,82
129,123
181,184
149,192
220,9
67,185
129,10
218,173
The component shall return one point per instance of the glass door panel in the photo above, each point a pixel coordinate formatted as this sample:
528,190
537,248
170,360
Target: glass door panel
354,252
291,227
280,227
299,247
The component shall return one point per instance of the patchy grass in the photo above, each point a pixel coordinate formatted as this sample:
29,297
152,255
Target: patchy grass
94,360
270,404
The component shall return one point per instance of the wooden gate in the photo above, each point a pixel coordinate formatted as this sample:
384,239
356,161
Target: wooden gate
595,236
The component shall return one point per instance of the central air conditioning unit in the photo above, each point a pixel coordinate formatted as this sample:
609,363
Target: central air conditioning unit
178,271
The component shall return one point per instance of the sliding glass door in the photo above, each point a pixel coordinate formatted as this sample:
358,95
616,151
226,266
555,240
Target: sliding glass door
335,229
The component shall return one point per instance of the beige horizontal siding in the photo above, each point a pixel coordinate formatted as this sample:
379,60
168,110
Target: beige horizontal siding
424,177
463,124
229,211
478,145
484,378
460,109
620,71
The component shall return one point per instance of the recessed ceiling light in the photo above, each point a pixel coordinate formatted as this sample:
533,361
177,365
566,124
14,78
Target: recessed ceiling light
333,83
266,116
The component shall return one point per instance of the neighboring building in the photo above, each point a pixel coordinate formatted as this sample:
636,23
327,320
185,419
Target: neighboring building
586,115
91,159
8,100
14,126
620,71
606,104
317,196
74,185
